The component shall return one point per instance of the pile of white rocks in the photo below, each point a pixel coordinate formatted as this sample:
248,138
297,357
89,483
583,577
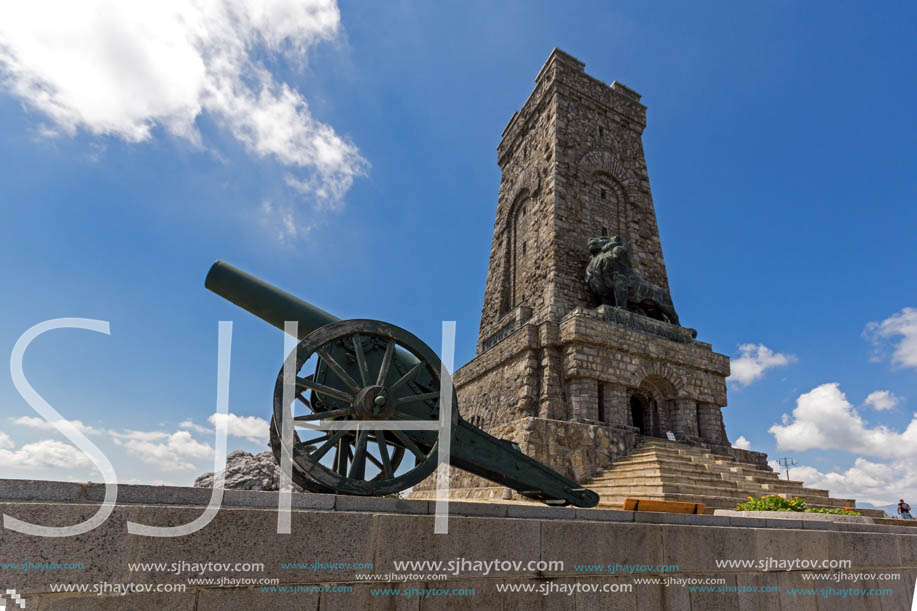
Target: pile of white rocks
245,471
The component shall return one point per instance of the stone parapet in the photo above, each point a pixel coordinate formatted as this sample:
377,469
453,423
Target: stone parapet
378,532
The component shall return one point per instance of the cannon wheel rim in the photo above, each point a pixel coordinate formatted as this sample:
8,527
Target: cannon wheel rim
311,466
299,478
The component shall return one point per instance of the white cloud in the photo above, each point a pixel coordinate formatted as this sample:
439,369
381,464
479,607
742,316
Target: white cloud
171,454
882,400
876,483
188,424
130,435
741,443
903,325
124,69
753,361
44,453
825,420
5,442
43,425
250,427
281,222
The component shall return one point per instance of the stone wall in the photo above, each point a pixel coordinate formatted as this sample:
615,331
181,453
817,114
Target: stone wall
562,392
378,531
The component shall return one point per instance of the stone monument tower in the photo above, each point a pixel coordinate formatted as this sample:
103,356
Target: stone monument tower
572,376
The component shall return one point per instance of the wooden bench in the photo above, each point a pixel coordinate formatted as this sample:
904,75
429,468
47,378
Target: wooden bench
663,506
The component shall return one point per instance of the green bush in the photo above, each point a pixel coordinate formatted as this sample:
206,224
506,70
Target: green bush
773,502
837,512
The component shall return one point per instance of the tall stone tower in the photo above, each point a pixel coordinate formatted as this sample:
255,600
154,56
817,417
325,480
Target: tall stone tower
573,168
576,383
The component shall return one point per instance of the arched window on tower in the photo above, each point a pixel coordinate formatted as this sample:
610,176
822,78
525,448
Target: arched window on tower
521,262
606,209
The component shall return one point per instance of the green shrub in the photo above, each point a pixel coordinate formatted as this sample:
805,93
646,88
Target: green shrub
773,502
837,512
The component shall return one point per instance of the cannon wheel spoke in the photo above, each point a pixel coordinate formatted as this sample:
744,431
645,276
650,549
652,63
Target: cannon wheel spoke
338,369
386,362
361,359
405,378
417,398
331,413
410,445
358,466
383,452
324,390
319,453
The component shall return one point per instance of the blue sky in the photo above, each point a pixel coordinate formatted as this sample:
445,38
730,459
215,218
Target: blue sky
347,154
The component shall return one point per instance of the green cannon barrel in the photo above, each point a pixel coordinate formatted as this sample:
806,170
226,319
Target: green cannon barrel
264,300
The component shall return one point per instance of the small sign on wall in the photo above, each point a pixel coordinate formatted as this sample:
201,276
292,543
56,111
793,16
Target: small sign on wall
670,435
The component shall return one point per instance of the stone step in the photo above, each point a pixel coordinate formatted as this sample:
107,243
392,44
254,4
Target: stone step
657,463
747,489
688,470
712,501
663,470
650,470
667,491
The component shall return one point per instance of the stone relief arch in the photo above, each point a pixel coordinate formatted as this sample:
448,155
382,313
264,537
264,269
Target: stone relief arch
603,169
524,190
658,369
596,163
528,180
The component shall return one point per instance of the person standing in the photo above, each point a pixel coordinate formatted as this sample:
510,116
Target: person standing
904,510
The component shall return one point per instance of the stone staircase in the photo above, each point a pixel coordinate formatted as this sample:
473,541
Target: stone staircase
671,471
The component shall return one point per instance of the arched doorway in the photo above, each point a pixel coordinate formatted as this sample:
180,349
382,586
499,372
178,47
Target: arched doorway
643,413
651,406
636,413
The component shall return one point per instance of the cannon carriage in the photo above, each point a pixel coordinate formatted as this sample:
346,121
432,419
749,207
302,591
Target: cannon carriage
351,371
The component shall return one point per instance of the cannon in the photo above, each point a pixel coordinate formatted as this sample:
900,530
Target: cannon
370,370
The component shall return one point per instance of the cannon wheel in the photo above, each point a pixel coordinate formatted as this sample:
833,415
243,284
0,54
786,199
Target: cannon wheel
361,394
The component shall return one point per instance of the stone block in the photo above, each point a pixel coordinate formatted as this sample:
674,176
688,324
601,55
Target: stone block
815,525
269,500
748,522
541,512
152,495
247,535
601,543
615,599
793,580
37,490
871,550
784,523
604,515
103,551
172,601
404,537
239,599
754,598
689,519
459,508
727,600
780,544
375,504
694,549
485,597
